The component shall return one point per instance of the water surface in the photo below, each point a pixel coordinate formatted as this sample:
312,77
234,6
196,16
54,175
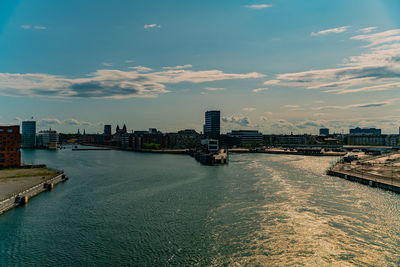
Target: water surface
122,208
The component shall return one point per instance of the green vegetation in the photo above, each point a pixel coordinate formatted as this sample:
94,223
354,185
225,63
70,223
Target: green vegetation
151,146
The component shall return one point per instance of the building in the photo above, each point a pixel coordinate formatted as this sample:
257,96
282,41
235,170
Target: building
183,139
107,130
324,131
210,145
365,131
292,139
47,139
10,144
28,134
212,126
248,137
373,140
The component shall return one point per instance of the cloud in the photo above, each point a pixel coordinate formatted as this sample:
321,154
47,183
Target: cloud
261,6
376,69
76,122
290,106
152,26
263,119
129,61
367,30
178,67
49,122
141,68
272,82
361,105
107,64
259,90
248,109
214,89
334,30
239,120
35,27
108,83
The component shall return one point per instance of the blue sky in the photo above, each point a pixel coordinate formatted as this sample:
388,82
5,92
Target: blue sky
279,66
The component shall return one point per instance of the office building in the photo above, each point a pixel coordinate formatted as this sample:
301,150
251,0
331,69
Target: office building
212,124
324,131
10,144
28,134
248,136
47,139
365,131
107,130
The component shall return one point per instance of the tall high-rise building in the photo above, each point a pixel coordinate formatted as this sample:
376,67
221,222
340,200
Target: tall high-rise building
10,137
324,131
212,124
107,130
28,134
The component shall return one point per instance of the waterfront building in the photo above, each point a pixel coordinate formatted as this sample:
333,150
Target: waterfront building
212,124
365,131
292,139
210,145
10,144
47,139
324,131
247,137
128,140
373,140
183,139
107,130
28,134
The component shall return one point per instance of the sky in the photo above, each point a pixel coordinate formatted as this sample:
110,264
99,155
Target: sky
277,66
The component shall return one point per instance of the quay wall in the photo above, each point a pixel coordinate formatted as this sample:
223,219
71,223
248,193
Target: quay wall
365,181
10,203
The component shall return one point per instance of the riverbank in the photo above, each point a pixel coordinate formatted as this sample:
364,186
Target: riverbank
17,186
300,152
376,171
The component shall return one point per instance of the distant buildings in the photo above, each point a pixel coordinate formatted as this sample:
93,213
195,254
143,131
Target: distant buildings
247,137
212,126
365,131
10,143
107,130
47,139
373,140
324,131
28,134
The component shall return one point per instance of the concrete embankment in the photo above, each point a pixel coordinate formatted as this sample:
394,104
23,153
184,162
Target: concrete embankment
23,196
370,180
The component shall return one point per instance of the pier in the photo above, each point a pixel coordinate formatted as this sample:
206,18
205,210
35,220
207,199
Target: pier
20,185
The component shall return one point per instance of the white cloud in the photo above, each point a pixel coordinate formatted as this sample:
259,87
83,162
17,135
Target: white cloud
249,109
108,83
76,122
259,90
214,89
129,61
239,120
272,82
290,106
141,68
377,69
49,122
334,30
35,27
150,26
367,30
361,105
178,67
107,64
261,6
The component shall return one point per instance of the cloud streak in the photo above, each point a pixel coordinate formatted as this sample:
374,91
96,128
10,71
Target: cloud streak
108,83
333,30
261,6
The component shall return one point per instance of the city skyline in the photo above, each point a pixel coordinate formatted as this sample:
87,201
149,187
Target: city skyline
333,64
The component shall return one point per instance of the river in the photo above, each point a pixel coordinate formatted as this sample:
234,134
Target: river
123,208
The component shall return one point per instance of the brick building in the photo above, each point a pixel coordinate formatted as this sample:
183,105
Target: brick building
10,144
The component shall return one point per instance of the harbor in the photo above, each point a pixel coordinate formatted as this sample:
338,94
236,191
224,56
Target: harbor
381,171
19,185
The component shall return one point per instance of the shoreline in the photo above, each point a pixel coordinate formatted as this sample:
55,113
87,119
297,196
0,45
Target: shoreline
22,197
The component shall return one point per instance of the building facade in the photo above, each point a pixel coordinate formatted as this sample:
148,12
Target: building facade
10,144
107,130
212,126
324,131
247,137
47,139
28,134
365,131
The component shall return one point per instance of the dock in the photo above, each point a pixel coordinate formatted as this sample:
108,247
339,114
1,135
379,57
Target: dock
17,186
381,172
